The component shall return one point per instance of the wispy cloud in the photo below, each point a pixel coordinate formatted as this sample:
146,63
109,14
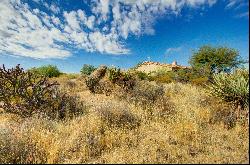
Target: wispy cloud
173,50
236,3
231,4
241,15
32,32
240,7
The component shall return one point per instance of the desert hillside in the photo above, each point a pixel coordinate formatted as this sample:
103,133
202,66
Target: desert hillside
151,123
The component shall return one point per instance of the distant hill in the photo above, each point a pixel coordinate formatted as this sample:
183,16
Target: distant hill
150,66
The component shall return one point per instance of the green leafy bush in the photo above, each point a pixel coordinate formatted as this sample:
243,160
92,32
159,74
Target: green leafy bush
232,87
47,70
209,60
87,69
26,93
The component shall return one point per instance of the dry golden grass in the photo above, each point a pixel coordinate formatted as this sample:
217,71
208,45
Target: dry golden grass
115,130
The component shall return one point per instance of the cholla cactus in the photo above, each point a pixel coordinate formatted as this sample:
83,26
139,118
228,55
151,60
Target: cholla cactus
26,93
123,79
232,87
114,74
92,81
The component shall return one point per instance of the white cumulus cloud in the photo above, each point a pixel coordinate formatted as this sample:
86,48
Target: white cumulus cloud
107,24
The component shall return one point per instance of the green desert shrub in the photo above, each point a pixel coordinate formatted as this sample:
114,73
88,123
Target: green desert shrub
166,76
103,80
92,81
26,93
232,88
47,70
180,75
114,74
162,76
142,75
87,69
123,79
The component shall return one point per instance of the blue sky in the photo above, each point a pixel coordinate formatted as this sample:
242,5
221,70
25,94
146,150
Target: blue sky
70,33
